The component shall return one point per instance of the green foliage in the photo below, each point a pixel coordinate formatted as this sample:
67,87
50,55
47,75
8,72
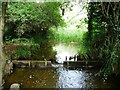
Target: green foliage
28,24
21,52
63,34
84,43
113,61
22,48
18,40
0,8
104,35
27,19
25,51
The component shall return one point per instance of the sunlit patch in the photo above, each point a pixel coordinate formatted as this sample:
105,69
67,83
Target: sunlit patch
38,1
62,57
64,52
72,79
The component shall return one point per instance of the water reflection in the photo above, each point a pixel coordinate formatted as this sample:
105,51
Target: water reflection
57,77
72,78
65,50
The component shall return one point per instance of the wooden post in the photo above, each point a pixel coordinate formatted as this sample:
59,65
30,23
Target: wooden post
68,63
45,62
29,64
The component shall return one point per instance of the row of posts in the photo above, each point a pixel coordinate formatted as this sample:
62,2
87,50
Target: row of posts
75,58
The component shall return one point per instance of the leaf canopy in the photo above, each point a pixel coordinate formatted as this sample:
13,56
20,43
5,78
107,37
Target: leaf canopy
28,17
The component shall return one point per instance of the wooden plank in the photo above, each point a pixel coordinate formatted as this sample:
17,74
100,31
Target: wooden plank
29,63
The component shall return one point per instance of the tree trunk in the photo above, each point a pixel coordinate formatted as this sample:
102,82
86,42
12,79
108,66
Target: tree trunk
90,12
2,61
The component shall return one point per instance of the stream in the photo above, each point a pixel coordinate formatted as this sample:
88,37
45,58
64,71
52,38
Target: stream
59,76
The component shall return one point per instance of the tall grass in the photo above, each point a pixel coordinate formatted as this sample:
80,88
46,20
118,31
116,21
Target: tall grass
67,35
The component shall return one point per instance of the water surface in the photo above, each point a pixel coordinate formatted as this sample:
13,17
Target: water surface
57,77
